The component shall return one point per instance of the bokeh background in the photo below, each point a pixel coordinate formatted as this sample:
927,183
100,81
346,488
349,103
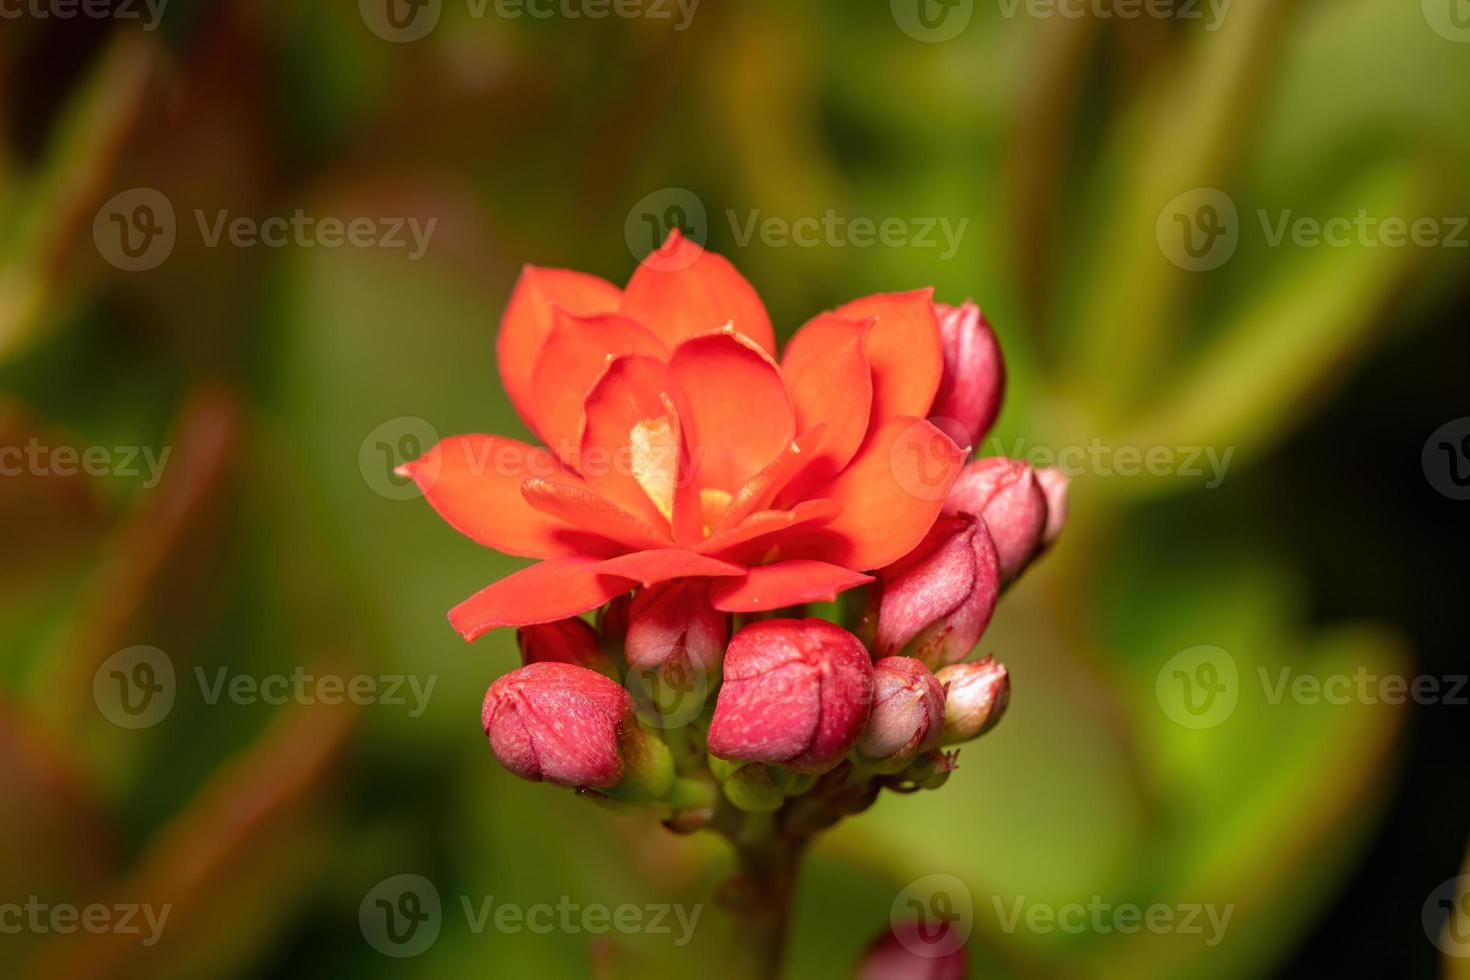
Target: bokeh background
1077,151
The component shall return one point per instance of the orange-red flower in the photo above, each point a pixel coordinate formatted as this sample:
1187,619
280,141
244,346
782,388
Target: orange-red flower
678,447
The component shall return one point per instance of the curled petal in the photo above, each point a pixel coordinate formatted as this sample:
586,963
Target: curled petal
827,372
903,348
527,323
740,417
890,493
632,449
681,291
575,355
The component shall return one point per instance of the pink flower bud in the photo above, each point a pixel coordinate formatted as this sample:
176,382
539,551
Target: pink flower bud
559,723
1054,484
565,641
797,693
975,696
935,602
908,713
915,950
1006,493
974,378
674,624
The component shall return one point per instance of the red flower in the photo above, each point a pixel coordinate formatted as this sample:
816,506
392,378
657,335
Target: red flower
679,448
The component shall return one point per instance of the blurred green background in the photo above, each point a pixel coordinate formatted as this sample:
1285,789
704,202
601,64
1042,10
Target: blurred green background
1077,145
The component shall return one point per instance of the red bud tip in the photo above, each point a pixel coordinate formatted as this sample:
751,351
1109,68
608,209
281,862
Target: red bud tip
796,693
915,950
558,723
975,697
908,713
565,641
973,381
1007,494
674,624
935,602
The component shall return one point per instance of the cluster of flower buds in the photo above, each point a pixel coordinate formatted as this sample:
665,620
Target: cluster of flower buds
783,702
666,660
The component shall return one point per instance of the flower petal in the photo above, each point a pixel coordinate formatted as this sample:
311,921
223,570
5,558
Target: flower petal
761,490
740,415
542,593
574,356
582,508
753,537
827,372
474,482
660,565
632,452
527,322
891,494
785,583
904,350
681,291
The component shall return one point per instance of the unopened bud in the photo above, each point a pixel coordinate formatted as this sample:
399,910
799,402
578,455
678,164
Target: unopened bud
935,602
974,378
915,950
674,624
908,713
796,693
1054,484
975,697
1005,493
565,641
558,723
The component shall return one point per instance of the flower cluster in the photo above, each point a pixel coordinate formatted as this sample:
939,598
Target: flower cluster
701,498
